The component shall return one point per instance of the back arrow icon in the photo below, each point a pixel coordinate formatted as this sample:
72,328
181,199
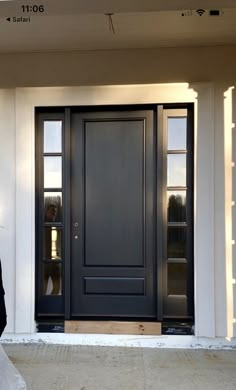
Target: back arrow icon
8,19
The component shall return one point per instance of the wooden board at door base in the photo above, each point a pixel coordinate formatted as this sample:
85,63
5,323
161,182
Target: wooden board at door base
113,327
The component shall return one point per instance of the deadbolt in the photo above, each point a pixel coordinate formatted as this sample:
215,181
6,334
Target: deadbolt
76,224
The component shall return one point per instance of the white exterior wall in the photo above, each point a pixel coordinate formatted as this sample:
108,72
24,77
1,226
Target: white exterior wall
234,210
8,199
213,217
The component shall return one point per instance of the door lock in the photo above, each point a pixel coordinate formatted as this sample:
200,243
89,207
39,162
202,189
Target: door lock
76,224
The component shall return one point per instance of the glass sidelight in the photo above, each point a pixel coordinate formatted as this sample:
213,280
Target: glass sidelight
178,279
50,221
52,240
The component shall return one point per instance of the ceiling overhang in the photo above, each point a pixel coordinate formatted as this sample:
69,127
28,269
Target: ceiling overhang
72,7
52,25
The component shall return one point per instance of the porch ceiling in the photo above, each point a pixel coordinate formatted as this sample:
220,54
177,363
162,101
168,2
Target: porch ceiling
80,25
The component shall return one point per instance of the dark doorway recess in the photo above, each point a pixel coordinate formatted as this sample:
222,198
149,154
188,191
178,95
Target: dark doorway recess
114,213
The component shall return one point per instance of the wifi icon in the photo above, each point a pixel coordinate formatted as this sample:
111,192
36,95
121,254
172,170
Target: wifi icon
200,11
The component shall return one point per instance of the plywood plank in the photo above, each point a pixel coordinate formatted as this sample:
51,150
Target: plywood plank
113,327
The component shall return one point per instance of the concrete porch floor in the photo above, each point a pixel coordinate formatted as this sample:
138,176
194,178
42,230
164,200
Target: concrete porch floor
63,367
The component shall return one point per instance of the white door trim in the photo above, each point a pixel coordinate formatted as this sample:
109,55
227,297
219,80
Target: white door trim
29,98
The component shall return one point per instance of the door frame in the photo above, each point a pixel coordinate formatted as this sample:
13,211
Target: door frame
53,304
203,98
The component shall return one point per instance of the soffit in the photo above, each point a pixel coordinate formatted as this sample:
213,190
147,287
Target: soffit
90,31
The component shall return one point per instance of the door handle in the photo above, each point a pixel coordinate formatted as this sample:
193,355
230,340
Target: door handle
76,237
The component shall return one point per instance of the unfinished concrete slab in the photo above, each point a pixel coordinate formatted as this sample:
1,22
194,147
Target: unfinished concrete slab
61,367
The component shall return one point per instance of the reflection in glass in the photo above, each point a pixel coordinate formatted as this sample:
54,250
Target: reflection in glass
52,279
177,277
176,170
52,243
53,207
176,242
52,172
177,133
176,206
52,136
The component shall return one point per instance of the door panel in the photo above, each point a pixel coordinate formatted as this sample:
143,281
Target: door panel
113,252
114,176
114,286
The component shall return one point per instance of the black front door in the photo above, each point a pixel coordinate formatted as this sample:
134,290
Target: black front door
113,264
114,212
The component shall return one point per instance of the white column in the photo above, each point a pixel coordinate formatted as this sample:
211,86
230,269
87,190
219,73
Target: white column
223,211
204,223
25,227
234,208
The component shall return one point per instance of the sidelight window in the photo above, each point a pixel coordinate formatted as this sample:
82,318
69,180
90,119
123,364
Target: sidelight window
50,218
178,284
53,218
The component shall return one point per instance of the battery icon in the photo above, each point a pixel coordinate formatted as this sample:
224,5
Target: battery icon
215,12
